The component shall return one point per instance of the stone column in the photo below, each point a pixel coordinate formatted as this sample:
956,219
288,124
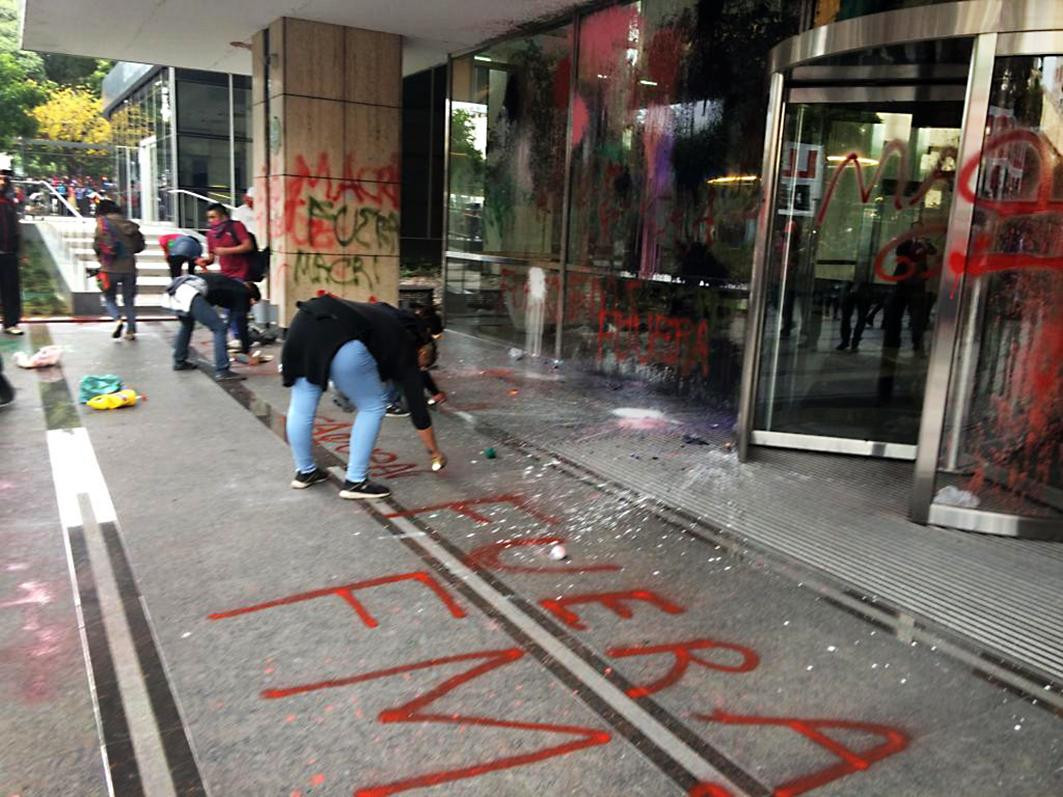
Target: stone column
327,136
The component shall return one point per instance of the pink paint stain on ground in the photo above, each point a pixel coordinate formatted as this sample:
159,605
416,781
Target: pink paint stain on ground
317,780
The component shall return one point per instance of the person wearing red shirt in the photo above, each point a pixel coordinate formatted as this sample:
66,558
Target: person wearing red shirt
228,241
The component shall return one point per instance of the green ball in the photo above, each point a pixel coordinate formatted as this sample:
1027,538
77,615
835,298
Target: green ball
490,453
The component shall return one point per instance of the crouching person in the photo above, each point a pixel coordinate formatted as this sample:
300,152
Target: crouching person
359,347
194,298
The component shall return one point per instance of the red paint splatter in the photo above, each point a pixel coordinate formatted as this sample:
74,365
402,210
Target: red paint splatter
347,593
894,741
489,557
616,602
580,119
683,655
605,37
414,712
317,779
466,508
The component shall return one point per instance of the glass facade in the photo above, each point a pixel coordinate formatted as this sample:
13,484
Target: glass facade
182,129
659,107
828,11
1003,444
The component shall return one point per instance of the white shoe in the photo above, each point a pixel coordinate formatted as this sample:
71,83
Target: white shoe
234,345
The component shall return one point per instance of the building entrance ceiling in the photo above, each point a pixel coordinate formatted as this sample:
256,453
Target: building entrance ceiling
196,34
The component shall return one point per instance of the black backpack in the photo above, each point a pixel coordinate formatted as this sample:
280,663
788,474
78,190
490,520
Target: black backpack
257,259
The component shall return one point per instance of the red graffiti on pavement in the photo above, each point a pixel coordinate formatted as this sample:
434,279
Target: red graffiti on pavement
489,557
414,711
894,741
616,602
468,508
683,655
709,790
347,593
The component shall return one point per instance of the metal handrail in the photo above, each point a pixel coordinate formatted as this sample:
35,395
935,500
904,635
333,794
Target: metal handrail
199,196
58,196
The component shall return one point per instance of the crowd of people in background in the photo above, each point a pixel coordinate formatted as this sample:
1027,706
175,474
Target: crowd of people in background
375,356
83,193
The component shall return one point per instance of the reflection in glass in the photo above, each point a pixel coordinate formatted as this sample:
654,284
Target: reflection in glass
861,212
1003,444
509,111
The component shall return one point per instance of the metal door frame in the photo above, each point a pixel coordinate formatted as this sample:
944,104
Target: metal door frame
812,95
998,28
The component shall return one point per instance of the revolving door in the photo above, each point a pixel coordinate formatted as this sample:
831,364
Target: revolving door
907,298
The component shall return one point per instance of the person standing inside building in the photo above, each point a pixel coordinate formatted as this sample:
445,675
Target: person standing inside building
180,250
360,347
194,298
10,239
116,243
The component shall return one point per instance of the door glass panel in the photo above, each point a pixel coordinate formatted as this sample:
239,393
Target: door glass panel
858,232
1003,444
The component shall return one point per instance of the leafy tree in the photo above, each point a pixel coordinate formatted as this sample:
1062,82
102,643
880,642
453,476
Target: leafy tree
18,94
31,63
72,114
467,162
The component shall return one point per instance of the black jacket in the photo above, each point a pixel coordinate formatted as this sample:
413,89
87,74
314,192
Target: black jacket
392,336
10,232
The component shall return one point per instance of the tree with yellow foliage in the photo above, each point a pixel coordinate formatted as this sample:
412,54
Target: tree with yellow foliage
72,114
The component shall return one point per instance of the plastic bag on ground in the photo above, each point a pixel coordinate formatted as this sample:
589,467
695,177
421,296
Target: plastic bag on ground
97,385
44,357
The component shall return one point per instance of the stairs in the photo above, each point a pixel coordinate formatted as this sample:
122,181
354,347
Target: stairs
69,241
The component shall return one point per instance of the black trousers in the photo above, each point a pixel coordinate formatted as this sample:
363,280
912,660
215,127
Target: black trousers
10,289
176,261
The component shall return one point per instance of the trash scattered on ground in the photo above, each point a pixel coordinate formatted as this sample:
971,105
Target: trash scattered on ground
513,391
490,453
114,401
97,385
557,553
516,354
954,496
43,358
694,440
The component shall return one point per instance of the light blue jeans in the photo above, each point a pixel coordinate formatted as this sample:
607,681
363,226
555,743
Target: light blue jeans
354,372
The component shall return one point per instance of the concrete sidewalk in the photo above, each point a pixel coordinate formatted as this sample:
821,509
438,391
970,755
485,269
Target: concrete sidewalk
287,642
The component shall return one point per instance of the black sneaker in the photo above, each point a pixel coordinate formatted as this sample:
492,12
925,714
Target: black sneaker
228,375
118,330
7,393
396,411
304,480
185,366
364,489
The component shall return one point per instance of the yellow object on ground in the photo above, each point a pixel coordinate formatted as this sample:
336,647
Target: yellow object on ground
112,401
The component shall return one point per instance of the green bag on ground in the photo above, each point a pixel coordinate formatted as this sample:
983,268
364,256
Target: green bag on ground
98,385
